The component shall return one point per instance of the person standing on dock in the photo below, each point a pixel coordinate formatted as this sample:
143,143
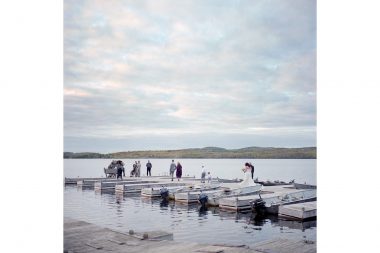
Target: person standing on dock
138,169
209,177
252,169
148,168
134,168
172,169
179,171
120,171
203,175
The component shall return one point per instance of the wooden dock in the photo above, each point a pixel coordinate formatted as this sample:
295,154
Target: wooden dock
81,237
282,245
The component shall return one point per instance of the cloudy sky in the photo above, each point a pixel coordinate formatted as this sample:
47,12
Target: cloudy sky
142,75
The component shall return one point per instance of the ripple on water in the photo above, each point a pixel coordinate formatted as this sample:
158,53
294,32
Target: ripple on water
186,222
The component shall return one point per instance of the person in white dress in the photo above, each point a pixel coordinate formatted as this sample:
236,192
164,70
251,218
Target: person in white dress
247,181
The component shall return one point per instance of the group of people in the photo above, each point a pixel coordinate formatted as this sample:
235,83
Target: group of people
119,166
177,168
136,170
203,175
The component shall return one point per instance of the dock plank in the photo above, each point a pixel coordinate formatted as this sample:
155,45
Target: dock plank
82,237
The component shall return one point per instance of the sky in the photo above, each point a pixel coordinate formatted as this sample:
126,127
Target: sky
151,75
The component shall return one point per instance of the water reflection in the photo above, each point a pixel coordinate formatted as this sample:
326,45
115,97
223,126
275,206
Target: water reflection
164,204
301,225
202,210
123,212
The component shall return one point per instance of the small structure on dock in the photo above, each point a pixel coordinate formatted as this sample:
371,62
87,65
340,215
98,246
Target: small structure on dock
111,170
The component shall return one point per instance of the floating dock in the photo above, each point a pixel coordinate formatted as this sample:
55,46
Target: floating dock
300,211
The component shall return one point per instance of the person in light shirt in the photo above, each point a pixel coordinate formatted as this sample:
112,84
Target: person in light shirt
203,175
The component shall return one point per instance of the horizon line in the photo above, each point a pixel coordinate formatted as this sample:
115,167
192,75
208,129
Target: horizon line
190,148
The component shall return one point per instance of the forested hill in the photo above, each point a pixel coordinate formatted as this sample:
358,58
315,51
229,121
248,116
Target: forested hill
208,152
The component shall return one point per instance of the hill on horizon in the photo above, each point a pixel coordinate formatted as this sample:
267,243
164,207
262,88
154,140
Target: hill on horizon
206,152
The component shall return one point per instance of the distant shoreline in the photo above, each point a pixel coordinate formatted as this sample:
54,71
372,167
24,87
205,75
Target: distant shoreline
205,153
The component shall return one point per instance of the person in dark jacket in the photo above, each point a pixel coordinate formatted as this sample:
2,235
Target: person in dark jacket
179,171
148,168
120,171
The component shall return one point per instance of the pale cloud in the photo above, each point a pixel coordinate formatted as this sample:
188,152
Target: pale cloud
69,92
151,68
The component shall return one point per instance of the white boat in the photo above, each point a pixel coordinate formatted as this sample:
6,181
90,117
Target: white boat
270,203
171,193
246,187
192,196
157,191
212,198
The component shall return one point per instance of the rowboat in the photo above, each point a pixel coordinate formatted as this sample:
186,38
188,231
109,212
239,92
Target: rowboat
170,192
270,203
211,198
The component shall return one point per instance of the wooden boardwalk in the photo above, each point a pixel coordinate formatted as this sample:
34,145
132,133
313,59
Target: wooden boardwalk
282,245
80,236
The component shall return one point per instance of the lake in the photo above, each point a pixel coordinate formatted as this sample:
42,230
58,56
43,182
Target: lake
301,170
188,222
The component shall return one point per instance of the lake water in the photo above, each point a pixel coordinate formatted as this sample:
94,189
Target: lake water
302,170
187,222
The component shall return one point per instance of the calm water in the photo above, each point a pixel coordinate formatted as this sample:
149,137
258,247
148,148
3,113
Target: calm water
302,170
187,222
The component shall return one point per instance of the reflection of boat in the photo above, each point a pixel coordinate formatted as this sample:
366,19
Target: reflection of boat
297,224
229,215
